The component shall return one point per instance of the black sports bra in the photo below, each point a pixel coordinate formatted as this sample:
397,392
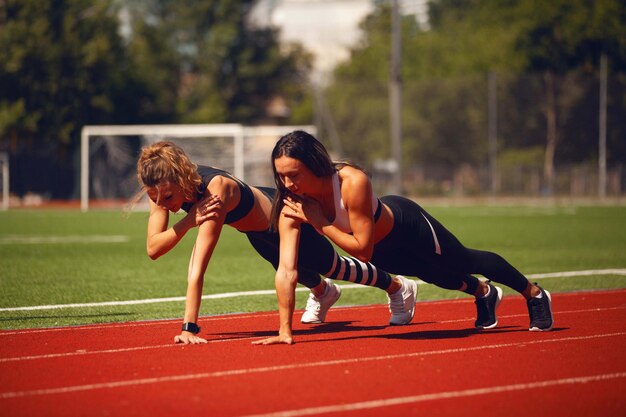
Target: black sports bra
246,201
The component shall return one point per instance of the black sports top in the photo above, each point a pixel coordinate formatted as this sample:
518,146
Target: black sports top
246,201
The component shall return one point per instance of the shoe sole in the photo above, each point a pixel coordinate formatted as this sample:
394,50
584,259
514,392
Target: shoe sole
498,301
537,329
320,321
414,285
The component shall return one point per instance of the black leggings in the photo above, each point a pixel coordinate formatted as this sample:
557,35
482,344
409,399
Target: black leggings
316,253
419,246
317,256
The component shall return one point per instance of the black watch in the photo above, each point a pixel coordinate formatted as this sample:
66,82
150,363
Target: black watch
191,328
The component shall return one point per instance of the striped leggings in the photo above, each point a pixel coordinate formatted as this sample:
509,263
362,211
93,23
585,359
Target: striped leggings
317,256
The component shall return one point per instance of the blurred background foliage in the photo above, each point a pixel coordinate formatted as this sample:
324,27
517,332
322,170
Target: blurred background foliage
70,63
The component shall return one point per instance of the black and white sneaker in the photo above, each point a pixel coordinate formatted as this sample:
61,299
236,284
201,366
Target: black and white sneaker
486,308
540,312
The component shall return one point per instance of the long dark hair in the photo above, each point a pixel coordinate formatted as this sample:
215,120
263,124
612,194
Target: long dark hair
307,149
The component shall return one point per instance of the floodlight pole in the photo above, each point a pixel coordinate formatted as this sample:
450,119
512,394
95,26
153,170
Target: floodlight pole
602,127
395,98
493,130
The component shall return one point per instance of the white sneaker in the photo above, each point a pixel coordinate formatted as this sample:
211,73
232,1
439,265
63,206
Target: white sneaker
402,302
316,308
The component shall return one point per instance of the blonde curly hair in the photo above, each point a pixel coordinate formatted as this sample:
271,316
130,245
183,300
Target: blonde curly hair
166,162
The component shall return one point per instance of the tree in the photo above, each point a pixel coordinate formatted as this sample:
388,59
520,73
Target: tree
558,37
229,70
544,53
64,66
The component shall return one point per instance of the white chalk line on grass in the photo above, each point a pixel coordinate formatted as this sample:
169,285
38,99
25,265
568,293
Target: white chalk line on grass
240,316
35,240
82,352
566,274
279,368
443,395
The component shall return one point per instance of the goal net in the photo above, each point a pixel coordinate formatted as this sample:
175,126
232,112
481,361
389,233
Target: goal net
109,155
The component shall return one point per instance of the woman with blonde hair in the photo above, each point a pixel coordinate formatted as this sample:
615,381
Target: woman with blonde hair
212,198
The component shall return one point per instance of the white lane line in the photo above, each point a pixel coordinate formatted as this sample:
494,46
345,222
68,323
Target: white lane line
444,395
238,316
234,316
267,369
35,240
566,274
150,300
236,339
82,352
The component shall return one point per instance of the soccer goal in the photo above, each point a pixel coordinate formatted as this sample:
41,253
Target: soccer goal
109,154
4,172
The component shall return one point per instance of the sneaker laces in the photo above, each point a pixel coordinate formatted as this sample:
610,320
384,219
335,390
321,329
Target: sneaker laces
482,307
537,309
313,303
396,301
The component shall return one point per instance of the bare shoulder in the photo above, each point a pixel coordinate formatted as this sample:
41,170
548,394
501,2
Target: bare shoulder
221,183
226,188
353,178
355,186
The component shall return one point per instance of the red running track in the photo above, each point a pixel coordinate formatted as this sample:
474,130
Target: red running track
353,365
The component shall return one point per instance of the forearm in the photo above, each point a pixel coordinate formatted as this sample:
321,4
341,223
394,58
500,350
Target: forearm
286,293
193,300
161,243
360,249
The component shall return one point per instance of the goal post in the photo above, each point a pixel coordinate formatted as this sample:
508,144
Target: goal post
4,171
233,147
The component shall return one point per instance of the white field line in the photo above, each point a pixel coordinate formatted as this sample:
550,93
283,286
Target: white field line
273,292
280,368
443,395
33,240
239,316
82,352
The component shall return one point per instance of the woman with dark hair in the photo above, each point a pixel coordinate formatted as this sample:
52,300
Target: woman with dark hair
392,232
212,198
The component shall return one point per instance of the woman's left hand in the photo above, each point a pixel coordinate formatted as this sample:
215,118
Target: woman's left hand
207,208
304,209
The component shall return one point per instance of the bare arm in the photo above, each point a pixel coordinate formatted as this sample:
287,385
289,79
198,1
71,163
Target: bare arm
161,240
356,191
286,280
208,236
206,241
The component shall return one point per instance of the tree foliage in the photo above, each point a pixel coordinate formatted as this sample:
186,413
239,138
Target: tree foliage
70,63
528,44
228,70
64,64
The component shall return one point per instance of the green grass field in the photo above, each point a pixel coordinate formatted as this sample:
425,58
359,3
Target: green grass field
55,257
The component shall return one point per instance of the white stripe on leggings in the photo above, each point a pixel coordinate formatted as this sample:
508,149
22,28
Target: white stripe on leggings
437,247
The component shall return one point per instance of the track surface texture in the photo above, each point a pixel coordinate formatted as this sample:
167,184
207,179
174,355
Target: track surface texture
352,365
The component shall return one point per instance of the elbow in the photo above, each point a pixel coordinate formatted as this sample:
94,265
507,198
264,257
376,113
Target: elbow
364,258
365,255
153,254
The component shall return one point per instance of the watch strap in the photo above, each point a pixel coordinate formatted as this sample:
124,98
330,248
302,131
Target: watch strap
191,328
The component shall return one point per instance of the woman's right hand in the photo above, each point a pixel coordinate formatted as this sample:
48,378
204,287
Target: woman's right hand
280,339
206,208
189,339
